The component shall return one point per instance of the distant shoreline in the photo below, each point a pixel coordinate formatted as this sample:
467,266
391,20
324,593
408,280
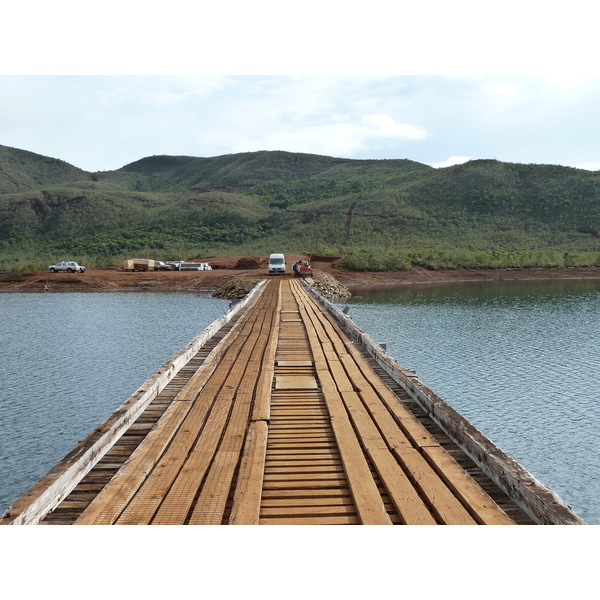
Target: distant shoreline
420,276
117,280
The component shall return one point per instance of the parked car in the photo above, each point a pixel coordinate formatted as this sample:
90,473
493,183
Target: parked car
159,265
68,266
182,265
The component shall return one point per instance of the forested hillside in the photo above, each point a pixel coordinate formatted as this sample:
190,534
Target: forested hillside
375,214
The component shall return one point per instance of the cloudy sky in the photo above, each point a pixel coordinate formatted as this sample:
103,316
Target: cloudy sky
434,86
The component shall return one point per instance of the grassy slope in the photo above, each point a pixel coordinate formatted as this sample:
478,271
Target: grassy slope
379,214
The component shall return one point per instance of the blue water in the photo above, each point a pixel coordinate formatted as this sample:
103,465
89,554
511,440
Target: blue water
67,361
521,361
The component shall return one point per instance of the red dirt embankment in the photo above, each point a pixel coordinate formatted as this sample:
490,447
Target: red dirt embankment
117,280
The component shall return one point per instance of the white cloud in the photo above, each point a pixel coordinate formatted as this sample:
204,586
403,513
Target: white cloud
150,92
590,166
381,125
332,139
450,161
335,136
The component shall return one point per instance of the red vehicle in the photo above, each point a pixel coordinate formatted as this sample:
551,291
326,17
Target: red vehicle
302,268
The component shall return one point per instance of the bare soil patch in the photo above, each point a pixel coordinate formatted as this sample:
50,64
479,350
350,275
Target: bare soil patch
256,267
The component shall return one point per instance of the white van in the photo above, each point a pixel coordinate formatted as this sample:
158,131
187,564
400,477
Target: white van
276,264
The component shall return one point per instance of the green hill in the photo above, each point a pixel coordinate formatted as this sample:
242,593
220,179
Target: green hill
376,214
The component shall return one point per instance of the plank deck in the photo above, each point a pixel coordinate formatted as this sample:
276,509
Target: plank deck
284,420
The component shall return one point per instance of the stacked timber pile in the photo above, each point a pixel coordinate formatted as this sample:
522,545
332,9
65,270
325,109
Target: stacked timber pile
329,287
237,287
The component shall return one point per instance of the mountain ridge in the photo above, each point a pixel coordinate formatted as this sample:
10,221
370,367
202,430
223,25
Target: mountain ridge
257,201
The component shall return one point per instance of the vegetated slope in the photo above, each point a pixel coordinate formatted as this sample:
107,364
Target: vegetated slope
378,214
24,171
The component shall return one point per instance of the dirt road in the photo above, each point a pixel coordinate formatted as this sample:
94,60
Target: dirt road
117,280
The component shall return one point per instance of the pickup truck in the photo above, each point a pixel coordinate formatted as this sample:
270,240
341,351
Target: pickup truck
68,266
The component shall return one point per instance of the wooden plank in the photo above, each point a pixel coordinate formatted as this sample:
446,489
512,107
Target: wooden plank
295,382
33,506
303,444
111,502
301,463
211,503
343,492
288,411
337,476
296,470
271,503
315,510
380,400
348,452
366,496
542,504
329,520
294,363
245,509
262,406
362,377
480,504
302,485
311,453
430,486
321,435
445,504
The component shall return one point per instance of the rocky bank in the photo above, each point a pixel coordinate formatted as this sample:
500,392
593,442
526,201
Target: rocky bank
237,287
328,286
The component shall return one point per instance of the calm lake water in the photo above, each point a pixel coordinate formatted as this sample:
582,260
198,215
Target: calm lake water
520,361
67,361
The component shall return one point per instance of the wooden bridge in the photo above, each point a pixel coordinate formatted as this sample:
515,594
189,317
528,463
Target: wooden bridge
284,412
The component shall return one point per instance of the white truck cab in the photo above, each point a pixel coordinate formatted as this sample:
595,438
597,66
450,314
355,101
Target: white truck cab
276,264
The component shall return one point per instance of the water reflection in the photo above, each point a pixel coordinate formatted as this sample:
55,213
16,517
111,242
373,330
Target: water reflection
470,292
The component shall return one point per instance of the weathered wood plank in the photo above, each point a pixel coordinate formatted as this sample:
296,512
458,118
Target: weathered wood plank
338,492
262,406
480,504
291,511
328,520
245,509
315,501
